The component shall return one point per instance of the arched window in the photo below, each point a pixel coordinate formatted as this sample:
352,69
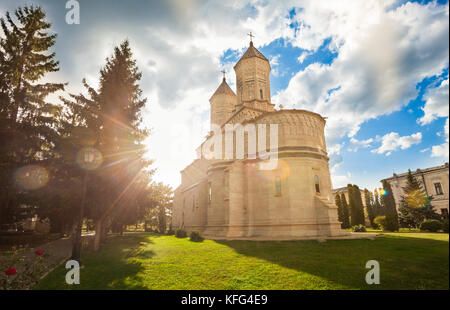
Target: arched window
261,93
316,182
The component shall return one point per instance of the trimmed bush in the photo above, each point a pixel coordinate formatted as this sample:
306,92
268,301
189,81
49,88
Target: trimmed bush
431,225
180,233
445,225
381,222
196,237
359,228
170,232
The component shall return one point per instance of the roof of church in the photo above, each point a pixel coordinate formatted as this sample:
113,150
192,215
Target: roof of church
252,52
224,88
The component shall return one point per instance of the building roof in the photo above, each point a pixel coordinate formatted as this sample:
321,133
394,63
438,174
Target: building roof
224,88
252,52
418,171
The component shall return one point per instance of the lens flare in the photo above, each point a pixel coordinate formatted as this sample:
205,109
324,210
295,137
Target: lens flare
31,177
89,158
383,192
282,170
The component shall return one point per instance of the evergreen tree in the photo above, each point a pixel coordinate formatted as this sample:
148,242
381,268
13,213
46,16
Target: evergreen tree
370,206
345,212
391,210
113,114
356,206
376,203
337,200
415,205
27,119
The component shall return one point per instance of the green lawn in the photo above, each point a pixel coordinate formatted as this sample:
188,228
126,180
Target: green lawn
145,261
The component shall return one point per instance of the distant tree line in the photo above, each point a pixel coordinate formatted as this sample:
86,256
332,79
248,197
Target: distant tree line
89,148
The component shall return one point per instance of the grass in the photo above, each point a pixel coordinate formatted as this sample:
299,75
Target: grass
146,261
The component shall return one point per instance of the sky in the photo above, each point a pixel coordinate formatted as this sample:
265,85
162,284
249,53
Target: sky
377,69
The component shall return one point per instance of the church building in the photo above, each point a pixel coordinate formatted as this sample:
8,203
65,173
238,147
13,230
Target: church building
233,197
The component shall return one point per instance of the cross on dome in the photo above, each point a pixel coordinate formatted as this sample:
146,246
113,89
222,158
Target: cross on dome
251,36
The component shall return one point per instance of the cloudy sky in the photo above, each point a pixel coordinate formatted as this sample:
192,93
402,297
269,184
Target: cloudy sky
378,70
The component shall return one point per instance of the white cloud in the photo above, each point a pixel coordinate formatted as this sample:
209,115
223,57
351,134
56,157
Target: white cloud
442,150
393,141
303,56
436,103
341,180
382,55
357,144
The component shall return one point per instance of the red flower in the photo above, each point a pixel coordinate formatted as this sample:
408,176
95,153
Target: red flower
39,252
10,271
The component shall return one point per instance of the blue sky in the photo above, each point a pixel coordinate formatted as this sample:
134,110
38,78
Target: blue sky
377,69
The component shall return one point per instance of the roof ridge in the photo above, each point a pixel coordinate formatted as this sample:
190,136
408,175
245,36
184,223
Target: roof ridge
224,88
252,51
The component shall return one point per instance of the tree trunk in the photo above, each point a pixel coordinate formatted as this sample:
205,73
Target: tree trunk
98,234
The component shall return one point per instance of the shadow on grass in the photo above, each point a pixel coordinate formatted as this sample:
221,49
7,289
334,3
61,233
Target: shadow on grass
116,266
405,263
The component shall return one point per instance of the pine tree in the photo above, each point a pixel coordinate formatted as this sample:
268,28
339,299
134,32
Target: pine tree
113,114
415,205
391,210
345,212
27,120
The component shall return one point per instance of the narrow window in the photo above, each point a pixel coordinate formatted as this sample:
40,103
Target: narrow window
226,188
193,203
444,213
316,181
261,93
438,188
277,186
209,192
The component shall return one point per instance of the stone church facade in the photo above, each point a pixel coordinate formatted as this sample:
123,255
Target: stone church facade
236,197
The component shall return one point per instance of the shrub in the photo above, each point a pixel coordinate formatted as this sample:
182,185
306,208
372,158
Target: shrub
170,232
381,222
180,233
359,228
196,237
431,225
386,223
445,225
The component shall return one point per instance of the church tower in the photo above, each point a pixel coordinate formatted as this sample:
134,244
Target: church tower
253,81
223,103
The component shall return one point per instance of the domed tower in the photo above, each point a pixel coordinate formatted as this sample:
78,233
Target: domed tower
253,81
222,102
